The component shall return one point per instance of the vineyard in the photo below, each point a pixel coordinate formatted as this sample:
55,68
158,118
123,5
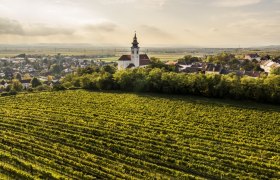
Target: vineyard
95,135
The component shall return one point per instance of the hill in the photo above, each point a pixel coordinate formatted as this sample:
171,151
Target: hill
88,135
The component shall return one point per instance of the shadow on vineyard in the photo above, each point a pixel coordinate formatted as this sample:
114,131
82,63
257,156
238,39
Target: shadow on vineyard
246,104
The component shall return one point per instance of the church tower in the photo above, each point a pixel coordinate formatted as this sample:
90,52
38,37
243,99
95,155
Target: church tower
135,57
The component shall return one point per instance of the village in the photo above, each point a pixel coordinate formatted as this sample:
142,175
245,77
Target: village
49,70
44,72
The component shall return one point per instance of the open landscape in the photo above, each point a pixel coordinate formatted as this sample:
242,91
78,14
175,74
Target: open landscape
148,90
107,135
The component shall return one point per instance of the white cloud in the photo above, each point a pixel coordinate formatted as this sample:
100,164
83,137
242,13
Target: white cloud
152,3
234,3
101,27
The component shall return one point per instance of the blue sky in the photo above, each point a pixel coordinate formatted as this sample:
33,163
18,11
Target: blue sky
205,23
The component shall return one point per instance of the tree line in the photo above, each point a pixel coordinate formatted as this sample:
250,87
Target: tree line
163,80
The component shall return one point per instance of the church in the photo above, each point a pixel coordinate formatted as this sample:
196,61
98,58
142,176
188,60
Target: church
135,59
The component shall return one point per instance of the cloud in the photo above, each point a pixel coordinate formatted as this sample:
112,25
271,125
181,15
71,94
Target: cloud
154,31
102,27
235,3
150,3
213,29
117,1
44,30
8,26
14,27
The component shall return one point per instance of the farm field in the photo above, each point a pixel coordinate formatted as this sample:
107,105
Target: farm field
162,56
105,135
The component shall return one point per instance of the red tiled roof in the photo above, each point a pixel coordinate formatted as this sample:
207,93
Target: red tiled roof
253,55
125,58
144,60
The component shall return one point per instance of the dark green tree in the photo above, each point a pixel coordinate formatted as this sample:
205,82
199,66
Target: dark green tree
35,82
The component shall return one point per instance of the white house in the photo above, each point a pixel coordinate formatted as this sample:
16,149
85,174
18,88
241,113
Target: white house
267,66
26,83
134,59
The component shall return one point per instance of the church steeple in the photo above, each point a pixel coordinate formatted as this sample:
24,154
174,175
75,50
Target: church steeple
135,52
135,42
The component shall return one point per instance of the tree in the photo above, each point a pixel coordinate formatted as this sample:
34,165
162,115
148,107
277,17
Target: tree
26,76
50,78
109,69
157,63
88,70
18,76
189,59
275,71
35,82
56,69
104,81
16,85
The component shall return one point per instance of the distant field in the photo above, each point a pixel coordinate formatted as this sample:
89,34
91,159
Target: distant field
112,54
163,57
53,51
88,135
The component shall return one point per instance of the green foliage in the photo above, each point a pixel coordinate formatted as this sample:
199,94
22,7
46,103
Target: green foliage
162,81
89,135
43,87
18,76
109,69
16,85
56,69
157,63
88,70
12,92
222,58
189,59
35,82
58,87
67,85
276,71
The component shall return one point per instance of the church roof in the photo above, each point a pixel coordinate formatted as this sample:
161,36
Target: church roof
125,58
144,59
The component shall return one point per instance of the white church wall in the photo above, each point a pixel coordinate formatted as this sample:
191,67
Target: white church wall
123,64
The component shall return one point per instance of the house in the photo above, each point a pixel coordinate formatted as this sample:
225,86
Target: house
135,59
267,66
192,68
251,57
25,83
213,68
254,74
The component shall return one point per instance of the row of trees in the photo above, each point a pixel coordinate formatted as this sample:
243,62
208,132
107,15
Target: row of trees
264,89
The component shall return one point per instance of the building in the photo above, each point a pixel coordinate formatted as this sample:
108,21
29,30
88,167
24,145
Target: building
251,57
213,68
26,83
267,66
135,59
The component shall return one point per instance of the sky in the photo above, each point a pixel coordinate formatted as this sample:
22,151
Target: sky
172,23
